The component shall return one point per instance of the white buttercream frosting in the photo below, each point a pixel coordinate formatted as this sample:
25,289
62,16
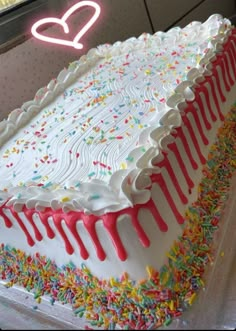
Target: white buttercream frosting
88,140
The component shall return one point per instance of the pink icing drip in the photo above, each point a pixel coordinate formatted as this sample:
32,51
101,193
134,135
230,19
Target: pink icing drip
210,81
231,45
232,59
180,133
29,215
23,227
226,63
166,163
193,137
215,73
159,220
44,219
71,220
7,221
57,218
90,225
158,178
198,99
133,213
110,224
89,221
202,88
222,64
173,147
191,109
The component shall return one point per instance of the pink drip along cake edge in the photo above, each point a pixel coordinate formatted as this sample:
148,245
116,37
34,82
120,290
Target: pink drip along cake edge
166,293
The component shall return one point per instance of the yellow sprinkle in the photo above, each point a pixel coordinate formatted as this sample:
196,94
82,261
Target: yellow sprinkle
149,271
65,199
171,305
174,247
222,254
177,287
202,282
192,298
165,278
123,165
198,58
171,257
152,109
112,282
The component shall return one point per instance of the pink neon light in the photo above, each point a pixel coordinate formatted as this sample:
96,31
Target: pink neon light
62,21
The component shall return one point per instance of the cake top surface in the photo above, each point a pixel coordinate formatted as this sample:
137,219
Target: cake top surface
88,140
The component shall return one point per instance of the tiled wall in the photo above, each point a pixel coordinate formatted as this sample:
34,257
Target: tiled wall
31,65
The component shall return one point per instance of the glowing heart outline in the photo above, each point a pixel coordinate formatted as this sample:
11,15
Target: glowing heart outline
62,21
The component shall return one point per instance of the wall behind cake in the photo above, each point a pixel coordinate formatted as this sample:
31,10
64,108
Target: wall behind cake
182,12
26,67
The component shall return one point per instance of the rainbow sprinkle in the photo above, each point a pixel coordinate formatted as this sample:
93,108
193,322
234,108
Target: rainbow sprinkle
166,293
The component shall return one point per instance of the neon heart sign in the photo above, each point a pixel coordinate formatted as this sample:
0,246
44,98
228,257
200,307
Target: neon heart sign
62,22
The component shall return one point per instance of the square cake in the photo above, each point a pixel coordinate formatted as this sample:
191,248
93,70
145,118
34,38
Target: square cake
114,177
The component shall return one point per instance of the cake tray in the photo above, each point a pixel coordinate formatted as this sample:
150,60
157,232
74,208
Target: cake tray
214,308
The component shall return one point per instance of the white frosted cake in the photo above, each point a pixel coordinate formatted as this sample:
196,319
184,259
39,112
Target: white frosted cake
100,170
